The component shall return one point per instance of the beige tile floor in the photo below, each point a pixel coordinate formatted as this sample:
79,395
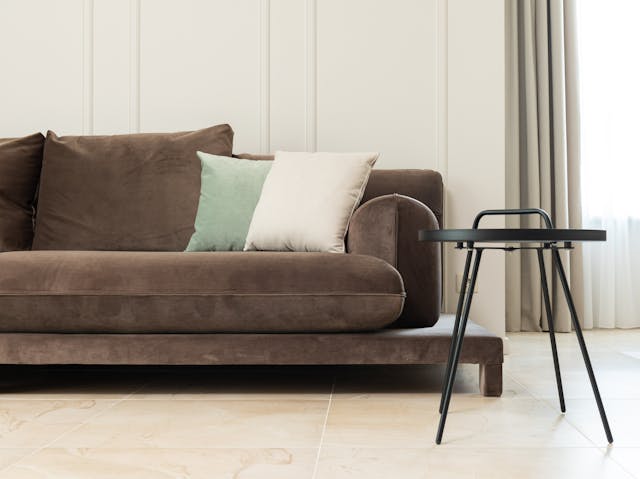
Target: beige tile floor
347,422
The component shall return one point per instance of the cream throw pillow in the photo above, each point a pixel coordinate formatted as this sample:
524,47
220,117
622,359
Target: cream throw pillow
307,201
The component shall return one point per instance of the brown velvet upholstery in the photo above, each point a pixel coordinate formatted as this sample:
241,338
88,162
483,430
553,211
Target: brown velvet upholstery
20,162
44,291
387,227
252,156
123,192
491,379
388,346
422,185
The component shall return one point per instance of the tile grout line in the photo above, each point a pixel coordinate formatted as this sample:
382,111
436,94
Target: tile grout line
74,428
324,428
513,378
547,402
570,422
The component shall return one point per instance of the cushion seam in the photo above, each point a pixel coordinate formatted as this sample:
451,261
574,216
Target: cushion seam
143,293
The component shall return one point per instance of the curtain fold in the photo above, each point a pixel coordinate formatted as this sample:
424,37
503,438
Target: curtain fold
543,160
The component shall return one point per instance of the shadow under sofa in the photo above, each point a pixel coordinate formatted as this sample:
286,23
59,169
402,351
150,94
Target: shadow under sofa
377,304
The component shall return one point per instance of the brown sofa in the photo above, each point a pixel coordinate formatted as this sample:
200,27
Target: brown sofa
102,279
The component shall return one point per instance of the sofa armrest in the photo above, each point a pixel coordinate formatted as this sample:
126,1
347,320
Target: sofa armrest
387,227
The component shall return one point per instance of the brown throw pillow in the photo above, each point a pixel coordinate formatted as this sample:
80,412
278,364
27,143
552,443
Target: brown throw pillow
124,192
20,162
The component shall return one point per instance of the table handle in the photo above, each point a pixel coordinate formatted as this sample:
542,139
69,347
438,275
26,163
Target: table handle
524,211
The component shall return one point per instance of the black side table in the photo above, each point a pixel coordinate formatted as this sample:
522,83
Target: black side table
548,238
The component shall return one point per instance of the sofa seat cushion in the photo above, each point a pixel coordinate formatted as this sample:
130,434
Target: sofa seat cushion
92,291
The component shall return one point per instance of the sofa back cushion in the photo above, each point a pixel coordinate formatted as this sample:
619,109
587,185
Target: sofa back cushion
124,192
20,163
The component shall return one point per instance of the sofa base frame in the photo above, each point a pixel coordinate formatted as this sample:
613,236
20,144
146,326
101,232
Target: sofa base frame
389,346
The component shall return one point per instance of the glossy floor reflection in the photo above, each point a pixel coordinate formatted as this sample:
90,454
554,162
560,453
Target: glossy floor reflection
351,422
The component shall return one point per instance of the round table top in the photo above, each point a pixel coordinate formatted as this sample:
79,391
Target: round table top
516,235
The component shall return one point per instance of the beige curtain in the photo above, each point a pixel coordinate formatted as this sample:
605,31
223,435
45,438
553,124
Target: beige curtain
542,151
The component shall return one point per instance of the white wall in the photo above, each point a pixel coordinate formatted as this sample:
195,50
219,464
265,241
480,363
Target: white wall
421,81
476,140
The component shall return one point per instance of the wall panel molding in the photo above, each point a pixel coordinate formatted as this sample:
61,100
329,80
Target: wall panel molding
265,76
311,79
111,67
45,80
87,66
442,73
201,63
442,133
288,75
135,12
377,79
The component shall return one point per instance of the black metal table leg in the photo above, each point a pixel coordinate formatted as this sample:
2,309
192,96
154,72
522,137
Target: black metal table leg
457,347
547,236
552,335
583,347
456,325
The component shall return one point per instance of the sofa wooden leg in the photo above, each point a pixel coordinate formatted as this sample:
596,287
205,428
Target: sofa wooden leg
491,379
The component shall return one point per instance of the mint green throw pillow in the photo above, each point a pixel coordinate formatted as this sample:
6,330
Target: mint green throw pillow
229,192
